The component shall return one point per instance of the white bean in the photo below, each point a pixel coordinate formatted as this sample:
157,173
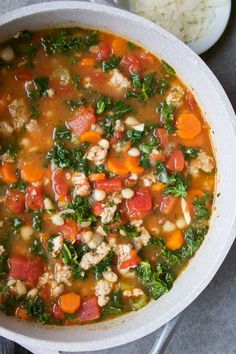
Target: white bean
48,204
139,127
181,223
32,293
130,121
168,226
7,54
57,220
99,195
127,193
95,241
134,152
110,276
86,236
26,232
104,143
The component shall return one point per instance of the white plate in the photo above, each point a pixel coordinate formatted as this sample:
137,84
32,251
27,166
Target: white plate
201,45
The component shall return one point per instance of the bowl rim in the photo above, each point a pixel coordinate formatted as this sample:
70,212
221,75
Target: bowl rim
149,327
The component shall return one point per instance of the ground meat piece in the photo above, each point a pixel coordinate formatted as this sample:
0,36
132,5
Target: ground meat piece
19,112
97,154
63,274
175,96
32,125
202,162
108,213
57,243
119,80
5,128
81,183
143,239
56,289
90,259
149,179
115,197
102,289
44,279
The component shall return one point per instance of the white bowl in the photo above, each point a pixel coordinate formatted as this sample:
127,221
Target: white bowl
219,113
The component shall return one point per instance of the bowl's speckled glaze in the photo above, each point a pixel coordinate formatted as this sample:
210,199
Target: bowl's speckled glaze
221,118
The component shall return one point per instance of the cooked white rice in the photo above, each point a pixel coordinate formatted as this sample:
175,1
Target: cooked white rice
189,20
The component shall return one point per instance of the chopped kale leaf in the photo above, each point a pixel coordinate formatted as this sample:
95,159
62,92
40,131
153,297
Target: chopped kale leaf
166,110
71,255
36,309
74,104
201,209
103,265
189,152
111,63
115,303
167,68
62,133
64,42
38,249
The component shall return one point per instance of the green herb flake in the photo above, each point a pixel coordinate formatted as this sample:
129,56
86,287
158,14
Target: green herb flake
167,68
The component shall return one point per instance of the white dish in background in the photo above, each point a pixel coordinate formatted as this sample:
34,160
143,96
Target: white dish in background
220,21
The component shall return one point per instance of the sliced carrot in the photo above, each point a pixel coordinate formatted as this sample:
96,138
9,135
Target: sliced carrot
97,177
21,313
192,193
197,141
132,165
119,46
90,137
175,240
70,302
32,172
188,126
88,62
8,172
158,186
116,166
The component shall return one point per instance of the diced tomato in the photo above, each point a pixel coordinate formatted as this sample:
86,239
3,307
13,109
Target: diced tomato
104,51
24,75
176,161
190,100
61,89
162,134
140,205
34,198
97,208
116,137
132,62
82,120
98,76
26,269
57,312
167,204
59,182
15,201
132,261
45,292
108,185
69,230
89,310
